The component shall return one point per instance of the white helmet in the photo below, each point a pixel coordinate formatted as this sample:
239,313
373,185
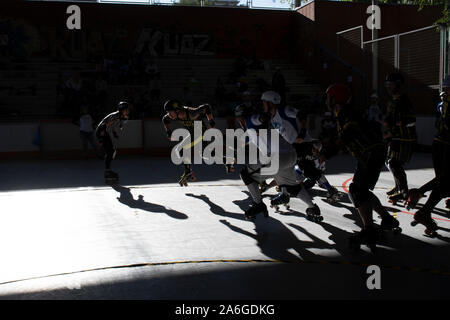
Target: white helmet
271,96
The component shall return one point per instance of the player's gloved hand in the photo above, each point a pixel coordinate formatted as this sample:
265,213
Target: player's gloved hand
169,134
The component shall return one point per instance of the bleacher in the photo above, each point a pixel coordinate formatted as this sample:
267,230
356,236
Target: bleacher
28,90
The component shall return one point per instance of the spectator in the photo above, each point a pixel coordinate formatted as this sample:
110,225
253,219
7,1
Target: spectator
74,95
279,85
87,132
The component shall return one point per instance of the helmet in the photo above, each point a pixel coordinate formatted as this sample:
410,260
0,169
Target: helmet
339,92
446,82
240,110
122,105
271,96
171,105
395,77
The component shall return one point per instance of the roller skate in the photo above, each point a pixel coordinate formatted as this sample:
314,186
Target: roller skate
255,209
333,195
427,221
368,237
111,177
313,214
414,196
187,175
229,168
392,191
278,200
397,198
263,186
391,224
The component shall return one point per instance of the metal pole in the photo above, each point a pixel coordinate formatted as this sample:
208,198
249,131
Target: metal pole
442,55
396,53
374,54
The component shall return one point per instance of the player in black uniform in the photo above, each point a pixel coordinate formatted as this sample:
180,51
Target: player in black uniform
307,155
401,135
370,153
105,128
440,185
187,116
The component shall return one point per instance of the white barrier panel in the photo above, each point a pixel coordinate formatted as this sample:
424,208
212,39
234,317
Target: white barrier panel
64,136
17,137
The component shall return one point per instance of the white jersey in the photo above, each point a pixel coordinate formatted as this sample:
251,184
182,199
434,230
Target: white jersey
286,123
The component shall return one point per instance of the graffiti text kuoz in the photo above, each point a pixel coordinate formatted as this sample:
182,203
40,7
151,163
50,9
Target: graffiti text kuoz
173,44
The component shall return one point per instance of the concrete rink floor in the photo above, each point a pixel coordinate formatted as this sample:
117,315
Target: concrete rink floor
66,235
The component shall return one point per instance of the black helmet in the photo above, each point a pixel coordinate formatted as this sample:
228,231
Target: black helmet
395,77
171,105
122,105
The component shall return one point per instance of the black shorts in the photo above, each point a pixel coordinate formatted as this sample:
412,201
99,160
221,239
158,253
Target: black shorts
369,168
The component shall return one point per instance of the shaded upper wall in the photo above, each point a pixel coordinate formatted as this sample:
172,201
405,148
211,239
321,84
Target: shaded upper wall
40,29
334,16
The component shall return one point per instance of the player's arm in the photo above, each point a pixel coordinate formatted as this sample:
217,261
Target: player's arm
166,124
204,110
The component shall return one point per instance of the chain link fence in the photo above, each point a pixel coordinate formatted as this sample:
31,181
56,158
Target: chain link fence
421,55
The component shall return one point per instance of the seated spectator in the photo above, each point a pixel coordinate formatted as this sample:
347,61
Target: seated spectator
86,122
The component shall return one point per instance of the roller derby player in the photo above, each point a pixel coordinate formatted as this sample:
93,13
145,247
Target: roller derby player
401,136
290,124
103,132
285,177
311,164
370,153
440,185
186,116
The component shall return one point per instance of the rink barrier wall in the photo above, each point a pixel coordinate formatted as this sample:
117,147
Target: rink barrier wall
61,138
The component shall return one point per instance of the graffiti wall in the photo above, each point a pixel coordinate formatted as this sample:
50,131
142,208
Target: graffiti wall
38,30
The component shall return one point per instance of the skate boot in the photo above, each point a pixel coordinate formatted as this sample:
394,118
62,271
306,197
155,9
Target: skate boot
397,197
229,168
263,186
111,177
368,237
313,214
280,199
427,221
392,191
333,195
255,209
187,175
391,223
414,196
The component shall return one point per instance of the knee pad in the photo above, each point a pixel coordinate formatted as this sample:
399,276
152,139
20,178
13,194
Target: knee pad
358,196
246,176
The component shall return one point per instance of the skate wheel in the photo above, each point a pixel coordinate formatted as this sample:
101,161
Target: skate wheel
414,223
